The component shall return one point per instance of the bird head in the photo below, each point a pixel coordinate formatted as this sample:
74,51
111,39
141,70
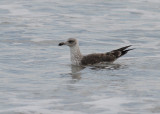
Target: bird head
70,42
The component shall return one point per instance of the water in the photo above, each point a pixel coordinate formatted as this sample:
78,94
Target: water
36,76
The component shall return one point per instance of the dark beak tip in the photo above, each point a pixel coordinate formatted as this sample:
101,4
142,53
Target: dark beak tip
60,44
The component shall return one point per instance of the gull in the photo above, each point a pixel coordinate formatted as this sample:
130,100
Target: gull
78,59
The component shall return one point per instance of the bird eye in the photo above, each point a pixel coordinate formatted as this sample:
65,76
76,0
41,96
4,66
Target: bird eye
70,41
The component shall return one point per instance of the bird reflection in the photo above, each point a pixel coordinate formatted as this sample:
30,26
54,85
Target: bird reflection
76,70
107,66
76,74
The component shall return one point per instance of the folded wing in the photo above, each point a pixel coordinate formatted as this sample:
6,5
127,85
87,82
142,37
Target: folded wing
104,57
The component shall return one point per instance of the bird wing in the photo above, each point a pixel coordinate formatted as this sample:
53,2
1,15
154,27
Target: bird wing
97,58
104,57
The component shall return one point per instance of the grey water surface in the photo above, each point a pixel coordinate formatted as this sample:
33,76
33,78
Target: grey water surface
36,76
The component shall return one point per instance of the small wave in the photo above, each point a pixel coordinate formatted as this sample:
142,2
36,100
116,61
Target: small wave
15,9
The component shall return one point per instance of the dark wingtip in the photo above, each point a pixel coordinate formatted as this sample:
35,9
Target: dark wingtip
126,47
125,51
123,48
60,44
130,49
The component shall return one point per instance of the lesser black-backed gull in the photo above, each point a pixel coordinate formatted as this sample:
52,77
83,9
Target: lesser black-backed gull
78,59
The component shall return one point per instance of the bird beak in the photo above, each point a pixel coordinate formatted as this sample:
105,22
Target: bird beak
62,43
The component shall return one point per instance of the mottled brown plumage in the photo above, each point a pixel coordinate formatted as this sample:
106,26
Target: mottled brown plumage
104,57
78,59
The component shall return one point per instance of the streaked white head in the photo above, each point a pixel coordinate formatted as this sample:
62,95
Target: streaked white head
75,53
70,42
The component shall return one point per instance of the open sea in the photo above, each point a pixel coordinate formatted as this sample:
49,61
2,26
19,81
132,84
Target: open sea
36,75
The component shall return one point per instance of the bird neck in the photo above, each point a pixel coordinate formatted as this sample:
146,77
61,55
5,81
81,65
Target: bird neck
76,55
